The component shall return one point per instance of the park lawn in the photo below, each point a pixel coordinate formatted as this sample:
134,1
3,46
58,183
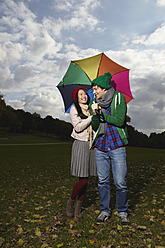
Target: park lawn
35,184
12,138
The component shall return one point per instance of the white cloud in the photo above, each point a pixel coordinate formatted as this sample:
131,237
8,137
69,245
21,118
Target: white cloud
10,53
64,5
17,9
22,73
159,105
17,104
41,46
80,17
161,3
45,102
155,38
4,79
142,63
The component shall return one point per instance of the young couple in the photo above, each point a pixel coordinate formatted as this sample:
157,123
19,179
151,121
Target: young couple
105,117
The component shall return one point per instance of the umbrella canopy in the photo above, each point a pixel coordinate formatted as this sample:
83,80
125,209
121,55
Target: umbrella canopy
82,72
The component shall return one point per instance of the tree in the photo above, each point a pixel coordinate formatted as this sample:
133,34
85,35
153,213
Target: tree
2,104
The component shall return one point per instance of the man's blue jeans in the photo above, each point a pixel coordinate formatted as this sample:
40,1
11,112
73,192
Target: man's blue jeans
104,160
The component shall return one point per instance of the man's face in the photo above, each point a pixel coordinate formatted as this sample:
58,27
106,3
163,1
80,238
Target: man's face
98,91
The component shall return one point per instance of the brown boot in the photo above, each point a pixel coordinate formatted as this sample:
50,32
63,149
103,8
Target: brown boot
77,212
70,208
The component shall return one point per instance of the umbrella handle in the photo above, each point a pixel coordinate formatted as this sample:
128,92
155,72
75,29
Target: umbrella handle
100,116
97,112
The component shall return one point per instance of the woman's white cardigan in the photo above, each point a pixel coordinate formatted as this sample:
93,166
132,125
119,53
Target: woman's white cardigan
80,126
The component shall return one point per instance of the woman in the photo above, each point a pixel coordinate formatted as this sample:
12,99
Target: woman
83,159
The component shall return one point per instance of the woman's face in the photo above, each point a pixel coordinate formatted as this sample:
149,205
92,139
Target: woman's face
82,97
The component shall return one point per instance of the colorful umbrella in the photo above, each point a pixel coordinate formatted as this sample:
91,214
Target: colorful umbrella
82,72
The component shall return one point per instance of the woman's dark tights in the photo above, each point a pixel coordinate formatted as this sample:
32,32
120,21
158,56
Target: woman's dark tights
79,189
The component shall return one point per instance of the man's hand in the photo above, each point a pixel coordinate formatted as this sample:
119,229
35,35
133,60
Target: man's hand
95,106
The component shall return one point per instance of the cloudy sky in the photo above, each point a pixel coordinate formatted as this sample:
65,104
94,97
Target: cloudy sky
38,38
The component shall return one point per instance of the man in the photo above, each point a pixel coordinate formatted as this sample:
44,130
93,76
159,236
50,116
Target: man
109,113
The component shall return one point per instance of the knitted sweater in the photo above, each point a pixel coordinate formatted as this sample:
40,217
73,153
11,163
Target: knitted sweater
117,117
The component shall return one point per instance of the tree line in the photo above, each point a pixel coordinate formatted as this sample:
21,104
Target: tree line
19,121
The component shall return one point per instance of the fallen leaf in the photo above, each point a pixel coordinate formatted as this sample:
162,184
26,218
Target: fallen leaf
42,216
53,236
152,219
39,208
123,242
141,227
94,226
72,222
163,223
19,230
20,242
96,240
37,232
97,211
36,215
74,231
149,240
47,228
44,245
132,229
115,213
159,237
27,220
60,245
119,228
161,211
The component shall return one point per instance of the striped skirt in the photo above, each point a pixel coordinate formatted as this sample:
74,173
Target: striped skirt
83,162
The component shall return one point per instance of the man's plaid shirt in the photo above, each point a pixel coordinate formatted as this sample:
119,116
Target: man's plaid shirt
111,139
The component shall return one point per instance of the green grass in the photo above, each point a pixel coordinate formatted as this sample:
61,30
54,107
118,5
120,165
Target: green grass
28,139
35,184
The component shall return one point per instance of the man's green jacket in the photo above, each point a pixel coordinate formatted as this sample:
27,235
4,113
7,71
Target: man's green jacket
117,117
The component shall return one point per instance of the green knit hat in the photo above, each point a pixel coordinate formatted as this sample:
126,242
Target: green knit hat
103,81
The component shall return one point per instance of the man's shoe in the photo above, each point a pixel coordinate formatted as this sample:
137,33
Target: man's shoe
102,218
125,221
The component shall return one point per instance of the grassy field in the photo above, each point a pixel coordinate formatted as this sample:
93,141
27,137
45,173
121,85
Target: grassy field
35,184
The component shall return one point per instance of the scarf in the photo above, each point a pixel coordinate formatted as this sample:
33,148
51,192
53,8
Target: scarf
104,103
85,110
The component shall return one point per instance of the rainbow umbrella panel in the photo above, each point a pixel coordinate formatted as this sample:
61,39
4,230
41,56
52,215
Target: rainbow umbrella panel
82,72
